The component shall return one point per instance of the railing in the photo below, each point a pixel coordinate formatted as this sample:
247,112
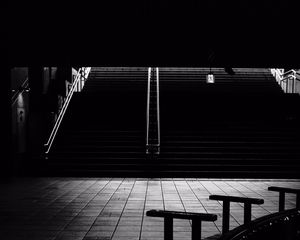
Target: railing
153,135
82,72
287,80
148,109
83,77
158,112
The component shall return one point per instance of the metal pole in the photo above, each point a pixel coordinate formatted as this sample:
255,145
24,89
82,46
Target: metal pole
157,107
148,108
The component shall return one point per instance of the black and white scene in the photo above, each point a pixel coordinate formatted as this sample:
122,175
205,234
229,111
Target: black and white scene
150,120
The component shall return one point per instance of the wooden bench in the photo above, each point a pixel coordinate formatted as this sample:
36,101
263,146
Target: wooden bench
282,191
168,216
226,208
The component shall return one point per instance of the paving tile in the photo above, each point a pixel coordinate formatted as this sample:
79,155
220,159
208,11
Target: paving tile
114,208
102,234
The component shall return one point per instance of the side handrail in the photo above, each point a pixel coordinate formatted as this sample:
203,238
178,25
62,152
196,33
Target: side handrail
279,74
284,77
226,208
148,109
168,216
290,72
157,108
282,191
49,142
291,76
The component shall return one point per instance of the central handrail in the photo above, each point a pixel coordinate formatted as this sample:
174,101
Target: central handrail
85,71
157,107
148,108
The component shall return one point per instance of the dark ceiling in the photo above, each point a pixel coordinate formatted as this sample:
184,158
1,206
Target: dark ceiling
239,33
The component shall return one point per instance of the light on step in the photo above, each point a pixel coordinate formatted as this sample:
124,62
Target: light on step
210,78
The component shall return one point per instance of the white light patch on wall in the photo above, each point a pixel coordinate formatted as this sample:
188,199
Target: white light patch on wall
20,101
21,118
210,78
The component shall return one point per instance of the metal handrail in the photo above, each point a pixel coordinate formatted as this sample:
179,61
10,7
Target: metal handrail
148,107
285,77
289,75
49,142
157,107
292,71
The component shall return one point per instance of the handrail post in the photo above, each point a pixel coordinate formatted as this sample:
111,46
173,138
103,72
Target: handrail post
294,82
294,85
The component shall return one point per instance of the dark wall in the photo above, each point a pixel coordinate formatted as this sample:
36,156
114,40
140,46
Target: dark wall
31,115
154,32
19,118
5,159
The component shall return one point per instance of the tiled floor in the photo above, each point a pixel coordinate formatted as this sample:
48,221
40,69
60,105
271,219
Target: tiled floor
90,209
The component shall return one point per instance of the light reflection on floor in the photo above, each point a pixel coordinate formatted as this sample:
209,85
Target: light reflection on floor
104,208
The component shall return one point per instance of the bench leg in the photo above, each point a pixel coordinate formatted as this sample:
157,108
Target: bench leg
168,228
281,201
196,230
225,217
247,213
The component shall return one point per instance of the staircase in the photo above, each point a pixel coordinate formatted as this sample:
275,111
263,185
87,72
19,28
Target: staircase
103,132
243,125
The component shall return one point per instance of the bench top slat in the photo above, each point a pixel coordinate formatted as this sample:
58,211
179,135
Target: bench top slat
182,215
283,189
237,199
